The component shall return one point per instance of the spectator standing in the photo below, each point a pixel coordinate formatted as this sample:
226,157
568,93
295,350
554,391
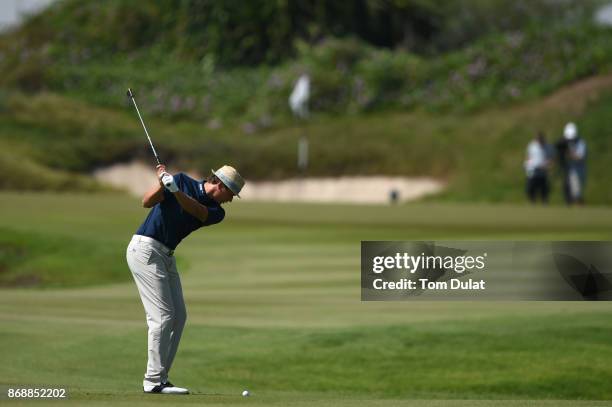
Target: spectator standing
572,153
537,165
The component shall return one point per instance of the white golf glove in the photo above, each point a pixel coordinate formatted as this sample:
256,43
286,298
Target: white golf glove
168,181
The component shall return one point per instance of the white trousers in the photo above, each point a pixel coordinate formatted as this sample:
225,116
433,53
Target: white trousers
159,286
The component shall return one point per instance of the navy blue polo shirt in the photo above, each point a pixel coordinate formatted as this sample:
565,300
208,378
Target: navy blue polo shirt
169,223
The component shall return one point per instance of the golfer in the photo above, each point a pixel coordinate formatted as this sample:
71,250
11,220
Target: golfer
180,205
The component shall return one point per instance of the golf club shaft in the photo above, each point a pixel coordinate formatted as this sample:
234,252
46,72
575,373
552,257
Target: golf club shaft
131,95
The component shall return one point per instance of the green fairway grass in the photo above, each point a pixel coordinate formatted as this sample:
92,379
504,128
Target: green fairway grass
273,303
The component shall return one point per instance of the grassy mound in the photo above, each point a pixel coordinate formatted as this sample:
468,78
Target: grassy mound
480,154
47,260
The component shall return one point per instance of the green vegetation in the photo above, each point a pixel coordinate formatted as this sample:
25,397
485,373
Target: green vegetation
232,33
480,154
441,88
350,75
456,97
22,173
47,260
273,304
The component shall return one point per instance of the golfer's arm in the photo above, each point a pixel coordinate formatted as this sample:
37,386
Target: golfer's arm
153,196
192,206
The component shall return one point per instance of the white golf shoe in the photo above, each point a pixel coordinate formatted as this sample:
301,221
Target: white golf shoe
165,388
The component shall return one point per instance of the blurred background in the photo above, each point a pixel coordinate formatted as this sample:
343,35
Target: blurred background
409,120
447,90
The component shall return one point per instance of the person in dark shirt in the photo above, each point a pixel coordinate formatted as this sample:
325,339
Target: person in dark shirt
571,153
179,205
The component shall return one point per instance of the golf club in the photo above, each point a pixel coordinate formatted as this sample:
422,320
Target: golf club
131,96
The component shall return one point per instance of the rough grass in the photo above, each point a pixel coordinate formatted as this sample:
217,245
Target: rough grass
479,154
24,173
49,260
532,51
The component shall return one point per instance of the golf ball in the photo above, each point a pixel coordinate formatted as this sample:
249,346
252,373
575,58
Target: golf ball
245,393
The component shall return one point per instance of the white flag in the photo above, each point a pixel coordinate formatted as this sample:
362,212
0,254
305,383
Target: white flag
298,101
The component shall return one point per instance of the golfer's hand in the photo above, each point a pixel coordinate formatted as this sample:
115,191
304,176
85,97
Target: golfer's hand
161,174
161,168
168,181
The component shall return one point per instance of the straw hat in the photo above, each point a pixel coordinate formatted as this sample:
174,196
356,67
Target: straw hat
230,177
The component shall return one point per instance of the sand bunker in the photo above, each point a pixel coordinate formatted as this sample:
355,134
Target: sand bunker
136,178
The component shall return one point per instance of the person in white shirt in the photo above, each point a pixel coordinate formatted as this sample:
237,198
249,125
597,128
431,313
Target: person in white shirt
537,164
